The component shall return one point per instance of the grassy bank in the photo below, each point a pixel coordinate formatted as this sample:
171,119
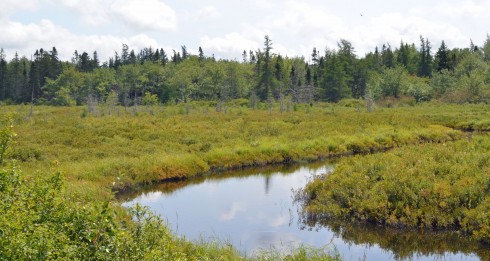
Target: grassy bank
40,220
123,149
436,186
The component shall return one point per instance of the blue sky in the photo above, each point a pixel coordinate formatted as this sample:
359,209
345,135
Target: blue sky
226,27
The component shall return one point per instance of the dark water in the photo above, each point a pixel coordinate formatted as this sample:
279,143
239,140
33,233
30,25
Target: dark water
254,210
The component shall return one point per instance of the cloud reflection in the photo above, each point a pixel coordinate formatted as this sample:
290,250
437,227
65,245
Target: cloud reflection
231,212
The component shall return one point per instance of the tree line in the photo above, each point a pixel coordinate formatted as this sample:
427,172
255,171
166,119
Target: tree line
152,75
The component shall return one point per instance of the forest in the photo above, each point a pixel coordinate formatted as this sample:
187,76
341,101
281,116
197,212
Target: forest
151,75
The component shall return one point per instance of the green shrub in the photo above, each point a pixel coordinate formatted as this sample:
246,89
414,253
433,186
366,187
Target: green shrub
441,186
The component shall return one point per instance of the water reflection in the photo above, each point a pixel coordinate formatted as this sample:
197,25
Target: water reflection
254,210
405,245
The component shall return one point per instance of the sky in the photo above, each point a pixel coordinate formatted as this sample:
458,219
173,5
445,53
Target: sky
225,28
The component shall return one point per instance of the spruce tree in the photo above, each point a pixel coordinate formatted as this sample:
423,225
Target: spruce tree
442,58
425,64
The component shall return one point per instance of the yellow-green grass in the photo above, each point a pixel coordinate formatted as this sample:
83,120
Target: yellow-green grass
102,153
110,152
436,186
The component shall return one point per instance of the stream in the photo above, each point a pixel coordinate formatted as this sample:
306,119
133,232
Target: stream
254,210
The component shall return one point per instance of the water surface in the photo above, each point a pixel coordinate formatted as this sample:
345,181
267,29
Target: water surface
254,210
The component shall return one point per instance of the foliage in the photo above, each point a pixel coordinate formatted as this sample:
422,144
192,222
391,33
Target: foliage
442,82
457,75
6,136
393,81
150,99
447,188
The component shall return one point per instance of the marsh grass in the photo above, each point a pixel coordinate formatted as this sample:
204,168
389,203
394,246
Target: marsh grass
430,186
94,156
123,150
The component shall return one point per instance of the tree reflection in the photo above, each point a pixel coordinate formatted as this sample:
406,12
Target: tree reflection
404,244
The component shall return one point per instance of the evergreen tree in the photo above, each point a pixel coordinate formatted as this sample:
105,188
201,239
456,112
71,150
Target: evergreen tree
442,58
314,56
387,57
164,58
347,58
117,60
84,63
95,61
156,57
333,81
4,88
125,54
185,54
244,56
425,65
253,59
308,75
55,64
132,58
201,54
265,83
402,57
34,79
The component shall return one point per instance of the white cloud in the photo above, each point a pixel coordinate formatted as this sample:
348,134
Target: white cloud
11,5
92,12
467,9
300,26
146,14
231,44
395,27
206,12
139,15
26,38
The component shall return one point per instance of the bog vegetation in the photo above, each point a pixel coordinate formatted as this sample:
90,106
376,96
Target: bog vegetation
437,186
41,220
93,156
143,118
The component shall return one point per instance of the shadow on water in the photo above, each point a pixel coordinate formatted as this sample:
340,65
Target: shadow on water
169,187
404,244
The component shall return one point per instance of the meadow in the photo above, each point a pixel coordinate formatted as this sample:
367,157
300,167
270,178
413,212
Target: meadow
97,154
